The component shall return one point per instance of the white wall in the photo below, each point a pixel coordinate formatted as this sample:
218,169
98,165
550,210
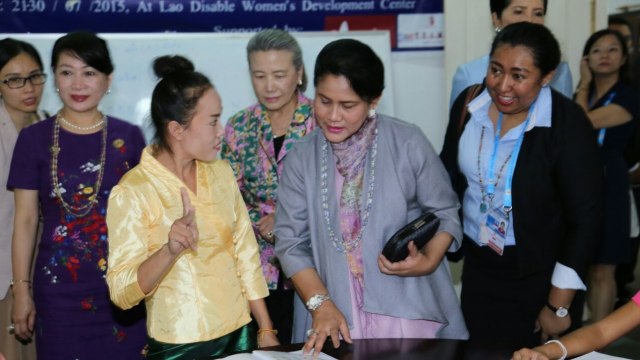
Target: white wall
418,80
618,6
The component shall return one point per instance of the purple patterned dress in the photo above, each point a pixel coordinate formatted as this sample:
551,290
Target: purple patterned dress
74,317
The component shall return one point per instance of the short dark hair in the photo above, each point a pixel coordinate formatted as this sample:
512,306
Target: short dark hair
277,39
619,20
537,38
498,6
176,95
86,46
357,62
623,72
10,48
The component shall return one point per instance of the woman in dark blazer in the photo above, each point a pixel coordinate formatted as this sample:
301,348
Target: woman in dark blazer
527,156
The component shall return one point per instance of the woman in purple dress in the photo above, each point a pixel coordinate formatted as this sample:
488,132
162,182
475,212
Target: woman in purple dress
66,166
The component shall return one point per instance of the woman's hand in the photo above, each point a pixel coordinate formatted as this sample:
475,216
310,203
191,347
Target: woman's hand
528,354
415,264
265,227
23,313
551,325
328,321
418,263
184,231
267,338
585,72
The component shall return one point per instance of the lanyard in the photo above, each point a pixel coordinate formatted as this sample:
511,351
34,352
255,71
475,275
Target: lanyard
603,131
491,186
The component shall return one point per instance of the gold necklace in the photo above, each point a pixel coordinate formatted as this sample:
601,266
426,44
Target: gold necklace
81,210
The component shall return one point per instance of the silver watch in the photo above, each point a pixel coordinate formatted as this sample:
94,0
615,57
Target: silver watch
316,300
559,311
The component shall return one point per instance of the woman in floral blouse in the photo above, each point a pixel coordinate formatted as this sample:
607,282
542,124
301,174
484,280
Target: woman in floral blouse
257,140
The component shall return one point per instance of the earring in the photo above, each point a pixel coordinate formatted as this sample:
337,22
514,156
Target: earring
372,112
57,90
545,84
108,91
498,29
299,82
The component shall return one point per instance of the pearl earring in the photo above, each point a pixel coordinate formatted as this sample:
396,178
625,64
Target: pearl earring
498,29
372,112
108,91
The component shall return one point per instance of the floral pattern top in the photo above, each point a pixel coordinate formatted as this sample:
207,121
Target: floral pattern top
248,147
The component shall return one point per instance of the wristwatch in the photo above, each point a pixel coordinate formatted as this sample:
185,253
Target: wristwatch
559,311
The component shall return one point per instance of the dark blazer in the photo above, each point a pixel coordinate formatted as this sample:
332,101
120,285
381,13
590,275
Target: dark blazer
557,188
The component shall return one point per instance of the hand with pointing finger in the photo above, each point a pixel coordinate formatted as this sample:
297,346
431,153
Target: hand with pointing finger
184,231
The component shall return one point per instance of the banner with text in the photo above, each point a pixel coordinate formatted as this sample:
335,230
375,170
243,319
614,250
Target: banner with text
413,24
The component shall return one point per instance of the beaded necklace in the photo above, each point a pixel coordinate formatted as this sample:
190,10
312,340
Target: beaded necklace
80,210
342,245
483,205
80,128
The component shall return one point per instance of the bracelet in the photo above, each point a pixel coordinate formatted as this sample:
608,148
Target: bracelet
15,282
316,300
265,331
564,349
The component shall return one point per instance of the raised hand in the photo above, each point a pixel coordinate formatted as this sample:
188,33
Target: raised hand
184,231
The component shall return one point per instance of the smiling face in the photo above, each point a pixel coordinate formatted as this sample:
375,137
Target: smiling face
520,10
274,78
513,80
339,111
81,87
606,56
202,138
21,101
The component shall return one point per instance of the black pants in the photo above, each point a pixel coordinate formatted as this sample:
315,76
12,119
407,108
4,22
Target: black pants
498,305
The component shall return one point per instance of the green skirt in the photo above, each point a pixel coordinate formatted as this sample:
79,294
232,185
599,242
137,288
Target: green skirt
242,340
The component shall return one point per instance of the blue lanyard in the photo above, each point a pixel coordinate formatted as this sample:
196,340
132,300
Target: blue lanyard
603,131
491,186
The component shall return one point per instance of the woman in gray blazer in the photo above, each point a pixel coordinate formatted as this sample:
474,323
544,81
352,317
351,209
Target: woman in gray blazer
345,189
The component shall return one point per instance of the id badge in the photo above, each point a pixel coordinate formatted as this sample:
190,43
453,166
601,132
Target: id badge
493,231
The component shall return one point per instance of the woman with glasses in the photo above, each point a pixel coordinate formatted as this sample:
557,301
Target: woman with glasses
21,80
65,167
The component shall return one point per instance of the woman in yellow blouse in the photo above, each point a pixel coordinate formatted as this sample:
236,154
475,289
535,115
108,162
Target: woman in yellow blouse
179,233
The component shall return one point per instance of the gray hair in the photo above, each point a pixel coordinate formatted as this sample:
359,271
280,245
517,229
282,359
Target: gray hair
277,39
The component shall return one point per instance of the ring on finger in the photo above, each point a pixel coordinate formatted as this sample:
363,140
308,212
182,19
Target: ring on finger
312,332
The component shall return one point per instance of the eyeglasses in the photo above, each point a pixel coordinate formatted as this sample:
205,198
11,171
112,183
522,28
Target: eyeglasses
18,82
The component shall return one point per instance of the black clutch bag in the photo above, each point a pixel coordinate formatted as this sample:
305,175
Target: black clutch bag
420,231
